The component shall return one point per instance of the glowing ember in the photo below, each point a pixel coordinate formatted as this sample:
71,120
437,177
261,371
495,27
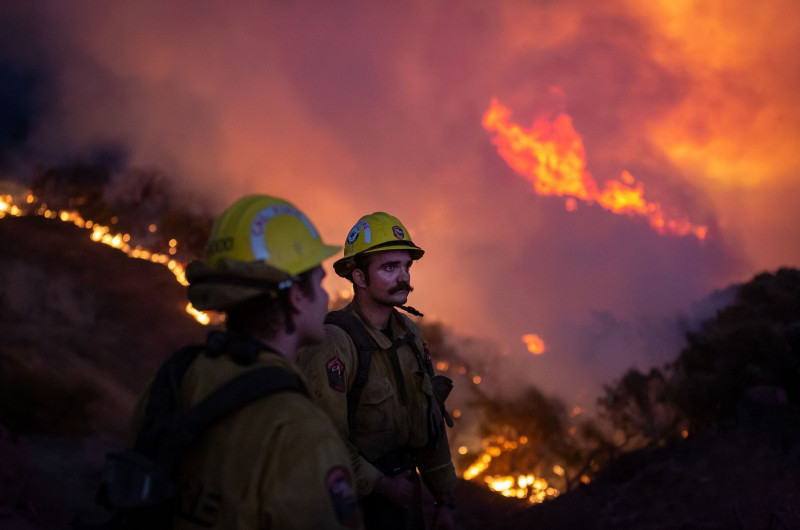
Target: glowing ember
552,156
102,234
520,485
7,207
535,343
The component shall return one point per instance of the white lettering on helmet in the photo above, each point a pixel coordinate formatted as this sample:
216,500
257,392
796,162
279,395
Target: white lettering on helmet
367,230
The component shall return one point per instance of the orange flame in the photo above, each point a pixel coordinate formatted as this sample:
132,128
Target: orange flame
518,485
535,343
552,156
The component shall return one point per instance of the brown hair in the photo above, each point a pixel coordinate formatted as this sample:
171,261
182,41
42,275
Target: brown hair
263,314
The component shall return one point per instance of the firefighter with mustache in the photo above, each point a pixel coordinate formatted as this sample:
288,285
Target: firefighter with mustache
374,376
277,462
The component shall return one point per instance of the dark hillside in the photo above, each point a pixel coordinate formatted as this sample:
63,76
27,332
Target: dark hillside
83,328
743,476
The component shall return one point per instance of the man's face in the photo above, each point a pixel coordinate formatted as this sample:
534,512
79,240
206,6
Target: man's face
314,308
388,281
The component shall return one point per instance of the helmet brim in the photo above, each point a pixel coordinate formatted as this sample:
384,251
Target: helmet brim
320,254
344,266
230,283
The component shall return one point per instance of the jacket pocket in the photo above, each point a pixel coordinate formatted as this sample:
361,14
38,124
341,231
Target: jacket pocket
375,407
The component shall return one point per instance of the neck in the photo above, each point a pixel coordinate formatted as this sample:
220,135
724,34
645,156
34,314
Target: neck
376,314
286,345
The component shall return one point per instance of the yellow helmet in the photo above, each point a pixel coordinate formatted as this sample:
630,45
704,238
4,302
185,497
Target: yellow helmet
256,246
374,233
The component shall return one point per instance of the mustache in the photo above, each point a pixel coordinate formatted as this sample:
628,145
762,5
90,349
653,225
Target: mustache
401,286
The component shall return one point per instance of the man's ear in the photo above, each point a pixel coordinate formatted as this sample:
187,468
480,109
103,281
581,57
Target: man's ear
297,298
359,278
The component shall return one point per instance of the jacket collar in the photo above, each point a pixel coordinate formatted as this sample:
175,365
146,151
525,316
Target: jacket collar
396,326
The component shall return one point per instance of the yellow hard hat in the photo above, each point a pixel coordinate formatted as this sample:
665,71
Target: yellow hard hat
257,245
374,233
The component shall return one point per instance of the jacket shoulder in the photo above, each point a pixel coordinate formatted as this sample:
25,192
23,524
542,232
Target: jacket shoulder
337,343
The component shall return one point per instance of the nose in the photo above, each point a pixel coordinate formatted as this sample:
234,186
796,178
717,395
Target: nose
405,274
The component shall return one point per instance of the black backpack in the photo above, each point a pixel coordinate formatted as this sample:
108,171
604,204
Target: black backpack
139,489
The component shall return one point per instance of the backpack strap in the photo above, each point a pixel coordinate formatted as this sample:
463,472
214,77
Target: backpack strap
442,385
223,402
163,402
365,345
424,363
166,431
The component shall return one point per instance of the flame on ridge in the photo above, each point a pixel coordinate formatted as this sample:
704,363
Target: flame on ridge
102,234
552,156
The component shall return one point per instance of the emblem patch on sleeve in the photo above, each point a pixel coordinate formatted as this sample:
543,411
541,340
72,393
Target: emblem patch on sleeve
343,497
335,369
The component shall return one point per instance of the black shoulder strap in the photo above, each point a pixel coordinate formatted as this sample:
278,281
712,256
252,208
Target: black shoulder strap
365,345
424,362
166,432
222,402
162,408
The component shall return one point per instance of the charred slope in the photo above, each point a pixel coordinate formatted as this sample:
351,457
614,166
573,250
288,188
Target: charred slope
741,475
82,329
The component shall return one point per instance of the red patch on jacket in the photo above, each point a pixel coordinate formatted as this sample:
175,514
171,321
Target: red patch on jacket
343,497
335,369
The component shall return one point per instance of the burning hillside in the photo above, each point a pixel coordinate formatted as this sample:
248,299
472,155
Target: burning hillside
84,326
83,331
475,449
508,456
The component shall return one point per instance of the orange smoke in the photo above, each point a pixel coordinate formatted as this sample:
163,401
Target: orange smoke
552,156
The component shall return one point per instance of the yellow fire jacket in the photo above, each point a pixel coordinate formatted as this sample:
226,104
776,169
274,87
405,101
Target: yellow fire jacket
383,422
277,463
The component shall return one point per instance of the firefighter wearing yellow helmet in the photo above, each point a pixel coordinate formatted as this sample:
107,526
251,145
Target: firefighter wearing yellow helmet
374,376
277,461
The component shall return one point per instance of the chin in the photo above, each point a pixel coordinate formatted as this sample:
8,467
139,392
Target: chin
399,299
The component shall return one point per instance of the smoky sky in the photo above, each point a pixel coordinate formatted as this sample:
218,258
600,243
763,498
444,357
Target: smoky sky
355,107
